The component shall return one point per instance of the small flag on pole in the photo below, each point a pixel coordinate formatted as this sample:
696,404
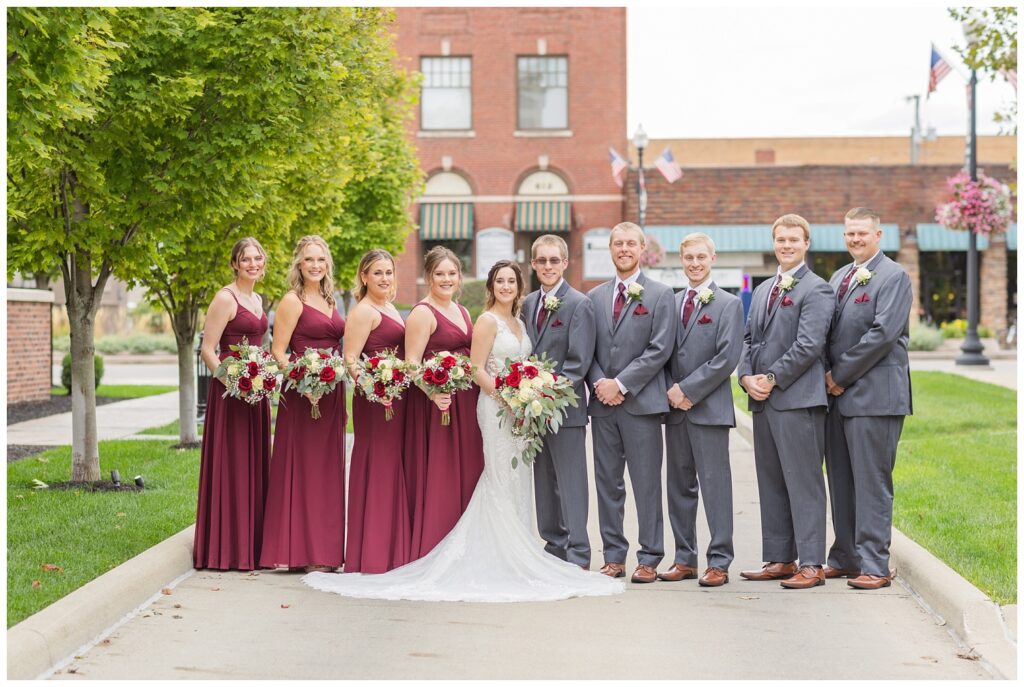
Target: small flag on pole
938,71
619,167
668,167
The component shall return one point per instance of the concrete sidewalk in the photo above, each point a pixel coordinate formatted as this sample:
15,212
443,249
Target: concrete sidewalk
999,371
117,420
269,625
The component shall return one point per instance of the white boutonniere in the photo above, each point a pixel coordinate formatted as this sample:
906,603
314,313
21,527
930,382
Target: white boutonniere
863,275
705,295
787,283
552,303
635,292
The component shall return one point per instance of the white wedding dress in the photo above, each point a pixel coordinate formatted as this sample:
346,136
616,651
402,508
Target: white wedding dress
493,553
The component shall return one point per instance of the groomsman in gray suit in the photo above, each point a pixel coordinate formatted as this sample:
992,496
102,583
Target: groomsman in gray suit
868,382
636,327
782,372
709,339
560,322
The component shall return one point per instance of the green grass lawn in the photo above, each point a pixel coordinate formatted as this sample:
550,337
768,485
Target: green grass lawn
85,533
121,390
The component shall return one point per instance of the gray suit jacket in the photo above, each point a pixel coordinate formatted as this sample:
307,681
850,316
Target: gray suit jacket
867,345
635,349
790,342
704,356
567,337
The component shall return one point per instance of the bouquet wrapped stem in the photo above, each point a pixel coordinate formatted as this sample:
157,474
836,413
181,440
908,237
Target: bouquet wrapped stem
383,378
445,373
316,372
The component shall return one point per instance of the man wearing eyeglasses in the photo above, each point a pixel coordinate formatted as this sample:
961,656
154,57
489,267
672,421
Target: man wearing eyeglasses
560,323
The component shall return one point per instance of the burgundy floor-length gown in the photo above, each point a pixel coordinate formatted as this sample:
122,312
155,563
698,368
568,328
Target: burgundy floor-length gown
442,463
304,523
378,506
233,467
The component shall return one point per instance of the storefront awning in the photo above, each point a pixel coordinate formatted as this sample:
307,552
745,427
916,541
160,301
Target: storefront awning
757,238
1011,237
446,221
543,216
935,238
828,238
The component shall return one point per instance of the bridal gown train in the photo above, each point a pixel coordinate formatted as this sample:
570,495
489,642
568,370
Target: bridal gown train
493,553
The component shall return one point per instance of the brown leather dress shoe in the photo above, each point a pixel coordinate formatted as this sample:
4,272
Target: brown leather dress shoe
614,570
770,571
870,582
644,574
832,573
713,577
806,577
678,572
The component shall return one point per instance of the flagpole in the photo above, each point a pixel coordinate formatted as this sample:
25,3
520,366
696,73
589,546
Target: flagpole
640,141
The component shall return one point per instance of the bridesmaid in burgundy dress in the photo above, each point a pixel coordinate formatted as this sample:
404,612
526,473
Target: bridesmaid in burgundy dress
442,463
378,507
305,515
236,436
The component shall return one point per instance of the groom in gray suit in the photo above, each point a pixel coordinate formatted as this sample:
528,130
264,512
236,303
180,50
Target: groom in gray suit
868,382
560,322
636,327
782,372
709,339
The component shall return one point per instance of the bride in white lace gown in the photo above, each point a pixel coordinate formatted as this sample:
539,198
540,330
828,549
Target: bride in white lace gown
493,553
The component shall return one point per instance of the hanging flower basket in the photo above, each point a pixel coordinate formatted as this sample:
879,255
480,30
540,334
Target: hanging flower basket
653,253
981,206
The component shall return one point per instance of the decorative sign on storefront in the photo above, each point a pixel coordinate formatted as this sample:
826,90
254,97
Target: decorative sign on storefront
492,245
597,259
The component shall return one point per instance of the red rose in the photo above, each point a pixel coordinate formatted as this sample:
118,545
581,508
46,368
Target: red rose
374,362
398,376
517,367
235,354
269,382
441,377
295,373
448,362
324,356
513,378
253,368
530,371
245,384
327,374
498,382
428,376
379,389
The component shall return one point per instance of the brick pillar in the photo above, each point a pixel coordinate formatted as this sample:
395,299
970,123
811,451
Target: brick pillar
910,259
993,284
29,344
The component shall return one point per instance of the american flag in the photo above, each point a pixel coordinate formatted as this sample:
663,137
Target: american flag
619,167
939,69
668,167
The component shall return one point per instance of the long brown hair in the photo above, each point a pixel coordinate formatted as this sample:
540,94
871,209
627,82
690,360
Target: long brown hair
370,257
517,304
239,248
434,257
295,279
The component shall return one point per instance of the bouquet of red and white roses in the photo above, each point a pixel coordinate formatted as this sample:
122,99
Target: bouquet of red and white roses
316,372
446,373
383,378
535,398
249,373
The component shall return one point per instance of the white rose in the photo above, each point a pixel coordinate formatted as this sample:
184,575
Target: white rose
385,373
862,275
526,394
546,378
272,368
339,370
257,383
514,402
254,356
315,365
457,372
787,283
635,290
525,384
233,370
536,408
706,295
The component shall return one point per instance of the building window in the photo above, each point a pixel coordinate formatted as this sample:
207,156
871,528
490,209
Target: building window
543,92
446,101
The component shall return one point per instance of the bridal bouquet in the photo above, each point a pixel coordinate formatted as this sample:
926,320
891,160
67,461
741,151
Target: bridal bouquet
446,373
316,372
249,373
535,398
383,378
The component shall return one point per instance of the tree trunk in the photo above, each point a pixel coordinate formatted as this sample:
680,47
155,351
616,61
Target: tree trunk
82,303
185,334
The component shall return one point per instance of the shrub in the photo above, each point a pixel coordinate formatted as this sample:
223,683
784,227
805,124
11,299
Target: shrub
474,297
65,371
924,337
957,329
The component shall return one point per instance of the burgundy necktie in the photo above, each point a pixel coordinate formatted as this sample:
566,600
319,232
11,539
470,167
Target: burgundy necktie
688,307
774,294
620,301
845,285
542,313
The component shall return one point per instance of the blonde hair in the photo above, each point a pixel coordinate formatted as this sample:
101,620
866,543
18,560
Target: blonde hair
792,220
550,240
864,213
295,279
370,257
517,304
434,257
697,237
239,248
628,226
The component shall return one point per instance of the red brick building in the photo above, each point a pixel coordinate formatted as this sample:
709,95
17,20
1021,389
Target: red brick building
28,344
517,110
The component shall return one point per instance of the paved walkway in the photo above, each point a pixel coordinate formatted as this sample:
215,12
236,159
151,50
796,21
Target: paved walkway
1001,372
117,420
238,625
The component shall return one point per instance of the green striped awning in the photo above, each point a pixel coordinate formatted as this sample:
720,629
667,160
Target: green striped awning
757,238
1011,237
443,221
828,238
543,216
937,238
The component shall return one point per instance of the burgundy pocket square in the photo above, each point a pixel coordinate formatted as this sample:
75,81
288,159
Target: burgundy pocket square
556,323
786,301
640,310
863,298
705,320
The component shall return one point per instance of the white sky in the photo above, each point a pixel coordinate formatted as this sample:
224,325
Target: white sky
704,72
